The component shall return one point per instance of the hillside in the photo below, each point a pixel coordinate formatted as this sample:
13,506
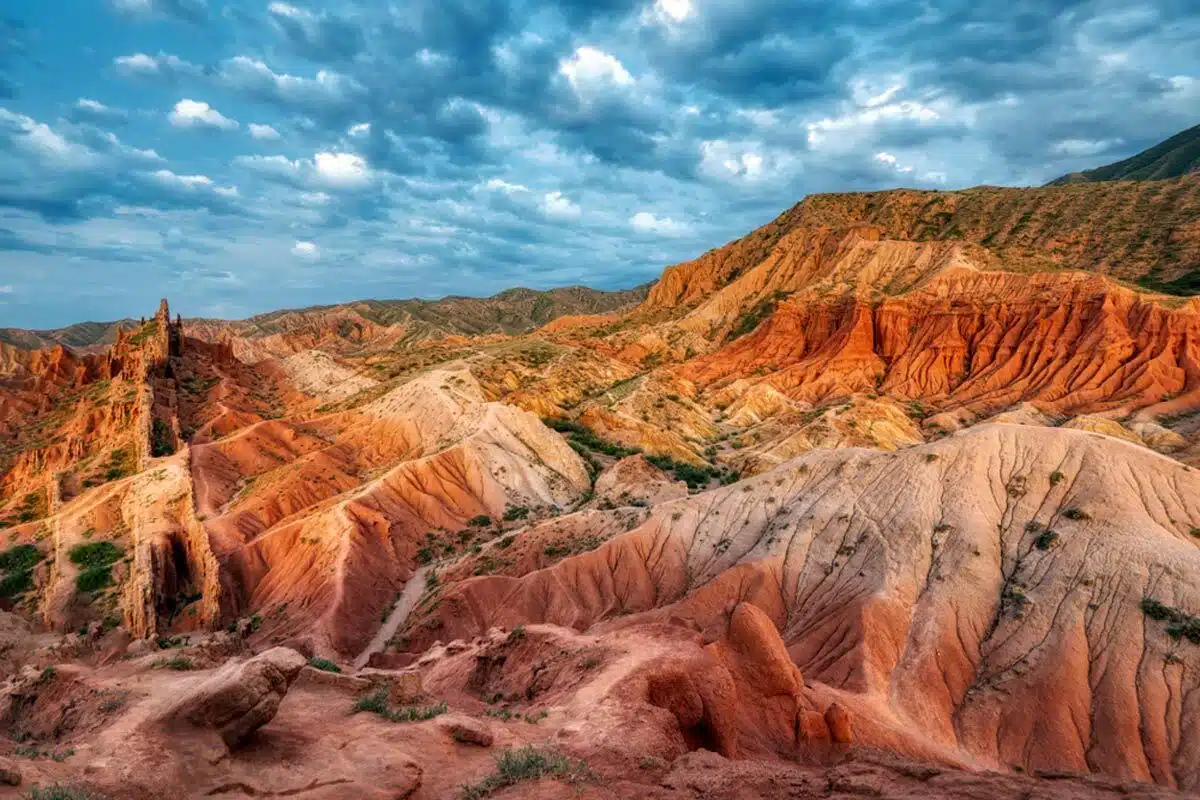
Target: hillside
81,336
1177,156
895,496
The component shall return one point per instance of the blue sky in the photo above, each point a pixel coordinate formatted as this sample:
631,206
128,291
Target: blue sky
245,156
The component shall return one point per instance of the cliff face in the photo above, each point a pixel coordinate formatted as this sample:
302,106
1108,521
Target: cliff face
1125,230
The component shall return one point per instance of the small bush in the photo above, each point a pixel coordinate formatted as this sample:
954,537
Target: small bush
930,458
514,513
516,634
162,439
323,664
20,558
1075,513
15,583
1045,540
93,579
94,554
481,521
377,703
60,792
527,763
1056,478
177,663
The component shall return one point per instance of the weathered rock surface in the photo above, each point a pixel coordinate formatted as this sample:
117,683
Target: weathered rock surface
241,697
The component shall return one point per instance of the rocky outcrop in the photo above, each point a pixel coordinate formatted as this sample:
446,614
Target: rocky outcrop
239,698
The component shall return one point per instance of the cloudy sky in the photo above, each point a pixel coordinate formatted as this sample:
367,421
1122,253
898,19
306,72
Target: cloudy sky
245,156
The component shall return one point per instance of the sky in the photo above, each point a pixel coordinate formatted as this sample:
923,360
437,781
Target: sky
241,157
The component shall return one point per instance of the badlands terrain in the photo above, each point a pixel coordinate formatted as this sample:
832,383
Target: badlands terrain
898,495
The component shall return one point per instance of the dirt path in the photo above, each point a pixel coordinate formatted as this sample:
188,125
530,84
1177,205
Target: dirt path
405,603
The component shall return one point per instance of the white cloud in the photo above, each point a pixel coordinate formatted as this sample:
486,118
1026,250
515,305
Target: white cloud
162,65
589,68
361,129
314,198
884,157
41,141
196,114
306,250
327,90
192,183
645,222
263,131
556,204
286,10
674,10
342,170
1084,147
336,171
6,289
745,161
846,130
96,108
500,185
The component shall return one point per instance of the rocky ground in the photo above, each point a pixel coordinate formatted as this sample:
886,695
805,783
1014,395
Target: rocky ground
894,497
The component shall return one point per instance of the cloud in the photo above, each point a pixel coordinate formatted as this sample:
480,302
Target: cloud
194,11
645,222
163,66
326,170
327,94
440,145
589,68
306,250
196,114
320,37
263,131
556,204
87,110
342,170
6,289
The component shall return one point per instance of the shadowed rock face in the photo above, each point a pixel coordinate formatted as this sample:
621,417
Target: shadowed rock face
914,500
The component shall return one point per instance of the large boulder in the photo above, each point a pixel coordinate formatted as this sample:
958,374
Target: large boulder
240,697
10,775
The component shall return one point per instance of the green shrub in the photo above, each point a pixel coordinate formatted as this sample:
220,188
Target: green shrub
514,513
481,521
94,554
20,558
162,439
178,663
323,664
60,792
377,703
15,583
1045,540
1056,478
527,763
1075,513
93,579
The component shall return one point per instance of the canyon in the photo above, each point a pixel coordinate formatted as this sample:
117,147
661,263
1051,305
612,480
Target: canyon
897,495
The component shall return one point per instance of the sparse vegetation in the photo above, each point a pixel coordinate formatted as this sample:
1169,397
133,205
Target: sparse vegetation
95,560
16,569
162,439
1180,624
1045,540
377,703
60,792
323,664
1056,478
579,436
1075,513
528,763
177,663
481,521
514,513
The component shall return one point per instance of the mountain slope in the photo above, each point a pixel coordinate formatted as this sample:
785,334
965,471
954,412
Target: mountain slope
1179,155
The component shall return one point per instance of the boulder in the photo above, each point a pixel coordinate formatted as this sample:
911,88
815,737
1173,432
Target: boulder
240,697
10,775
466,730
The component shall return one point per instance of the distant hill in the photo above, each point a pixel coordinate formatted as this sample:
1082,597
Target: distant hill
1179,155
513,311
81,336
